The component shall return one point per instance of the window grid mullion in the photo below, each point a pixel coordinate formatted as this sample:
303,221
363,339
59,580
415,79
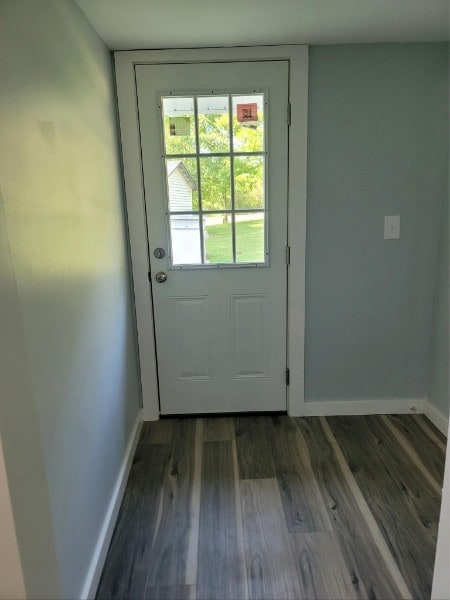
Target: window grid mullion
233,220
214,154
218,211
199,187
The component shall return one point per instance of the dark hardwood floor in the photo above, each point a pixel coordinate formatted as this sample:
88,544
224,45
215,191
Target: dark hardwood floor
273,507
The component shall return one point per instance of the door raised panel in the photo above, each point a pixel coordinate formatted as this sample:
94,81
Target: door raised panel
192,337
249,335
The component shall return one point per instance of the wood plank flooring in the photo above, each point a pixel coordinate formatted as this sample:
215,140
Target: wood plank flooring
273,507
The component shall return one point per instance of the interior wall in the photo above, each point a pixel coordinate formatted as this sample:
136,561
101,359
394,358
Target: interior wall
438,391
21,442
378,145
11,574
63,218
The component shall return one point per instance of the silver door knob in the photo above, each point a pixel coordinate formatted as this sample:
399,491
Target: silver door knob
161,277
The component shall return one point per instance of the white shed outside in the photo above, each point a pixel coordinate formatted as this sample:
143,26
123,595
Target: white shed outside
180,186
184,229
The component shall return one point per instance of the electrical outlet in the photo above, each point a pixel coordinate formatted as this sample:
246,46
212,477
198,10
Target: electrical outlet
392,227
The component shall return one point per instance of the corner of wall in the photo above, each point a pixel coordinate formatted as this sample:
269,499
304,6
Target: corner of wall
438,419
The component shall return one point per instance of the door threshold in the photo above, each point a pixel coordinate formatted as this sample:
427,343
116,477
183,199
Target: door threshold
271,413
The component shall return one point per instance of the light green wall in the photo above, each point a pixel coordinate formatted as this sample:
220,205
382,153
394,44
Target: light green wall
377,145
76,396
22,446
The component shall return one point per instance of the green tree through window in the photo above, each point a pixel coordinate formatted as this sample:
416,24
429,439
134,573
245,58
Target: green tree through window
215,171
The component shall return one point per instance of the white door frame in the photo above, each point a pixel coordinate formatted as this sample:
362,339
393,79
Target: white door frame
136,212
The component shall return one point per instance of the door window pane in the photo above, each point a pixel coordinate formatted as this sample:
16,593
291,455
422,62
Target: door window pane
249,182
185,237
215,164
215,181
182,184
213,124
248,123
179,125
217,237
250,237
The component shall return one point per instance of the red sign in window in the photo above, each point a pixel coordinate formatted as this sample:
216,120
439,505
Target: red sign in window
247,113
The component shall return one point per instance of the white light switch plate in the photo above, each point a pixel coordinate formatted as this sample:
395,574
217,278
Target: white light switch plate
392,227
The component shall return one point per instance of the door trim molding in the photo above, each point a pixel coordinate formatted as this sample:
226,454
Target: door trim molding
125,62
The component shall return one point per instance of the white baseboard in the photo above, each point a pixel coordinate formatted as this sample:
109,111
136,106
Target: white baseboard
98,558
382,406
436,417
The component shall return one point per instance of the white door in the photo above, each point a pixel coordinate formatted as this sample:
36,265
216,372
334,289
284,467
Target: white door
214,153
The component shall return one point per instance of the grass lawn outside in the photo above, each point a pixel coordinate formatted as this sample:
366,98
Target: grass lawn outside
249,242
